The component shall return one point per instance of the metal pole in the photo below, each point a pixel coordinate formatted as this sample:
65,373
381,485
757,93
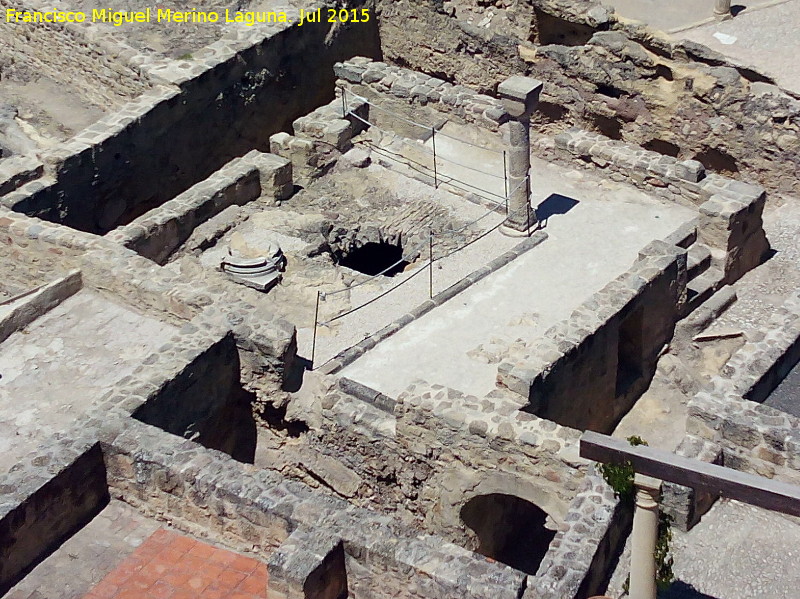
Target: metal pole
433,143
528,202
505,178
528,216
314,338
344,103
430,263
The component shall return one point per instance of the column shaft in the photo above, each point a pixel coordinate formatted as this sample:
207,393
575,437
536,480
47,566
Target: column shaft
516,134
643,538
722,9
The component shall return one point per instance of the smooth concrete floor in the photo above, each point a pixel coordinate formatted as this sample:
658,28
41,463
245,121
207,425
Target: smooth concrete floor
666,16
595,234
57,367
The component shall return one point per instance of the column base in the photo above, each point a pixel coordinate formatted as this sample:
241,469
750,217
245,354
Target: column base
512,230
723,17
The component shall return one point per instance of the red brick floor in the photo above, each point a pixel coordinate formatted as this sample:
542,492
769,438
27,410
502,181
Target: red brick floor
169,565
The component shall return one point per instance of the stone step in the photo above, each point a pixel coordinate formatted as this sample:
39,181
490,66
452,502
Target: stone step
698,260
703,287
684,236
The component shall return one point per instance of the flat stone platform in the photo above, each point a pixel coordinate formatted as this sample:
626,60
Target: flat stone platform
596,229
59,366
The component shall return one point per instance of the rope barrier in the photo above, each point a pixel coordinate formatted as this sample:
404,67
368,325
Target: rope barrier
365,281
425,148
377,297
449,180
427,127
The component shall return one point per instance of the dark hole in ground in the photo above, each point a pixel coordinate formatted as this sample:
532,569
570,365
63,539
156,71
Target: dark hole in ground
662,147
374,258
275,418
510,530
610,91
547,112
664,72
717,160
550,29
607,126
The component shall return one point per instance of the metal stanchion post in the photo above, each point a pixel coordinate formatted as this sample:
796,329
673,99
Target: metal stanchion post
314,338
505,178
433,143
344,103
528,218
430,264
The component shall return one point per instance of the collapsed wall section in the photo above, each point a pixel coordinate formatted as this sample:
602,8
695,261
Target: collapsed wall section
266,342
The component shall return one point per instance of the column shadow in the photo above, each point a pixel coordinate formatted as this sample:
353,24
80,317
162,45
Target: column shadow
552,205
682,590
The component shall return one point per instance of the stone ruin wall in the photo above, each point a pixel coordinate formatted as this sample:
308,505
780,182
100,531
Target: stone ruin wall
613,77
730,211
422,458
266,342
727,423
446,448
159,232
581,353
16,171
53,492
241,92
202,490
394,85
50,496
31,304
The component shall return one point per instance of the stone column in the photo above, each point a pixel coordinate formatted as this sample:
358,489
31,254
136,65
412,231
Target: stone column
520,96
722,10
643,538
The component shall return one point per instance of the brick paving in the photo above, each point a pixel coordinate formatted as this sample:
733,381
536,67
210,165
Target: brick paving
169,565
88,556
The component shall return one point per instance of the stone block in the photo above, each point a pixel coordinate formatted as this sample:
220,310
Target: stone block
520,94
349,71
690,170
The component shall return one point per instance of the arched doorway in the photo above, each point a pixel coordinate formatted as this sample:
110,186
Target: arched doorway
509,529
